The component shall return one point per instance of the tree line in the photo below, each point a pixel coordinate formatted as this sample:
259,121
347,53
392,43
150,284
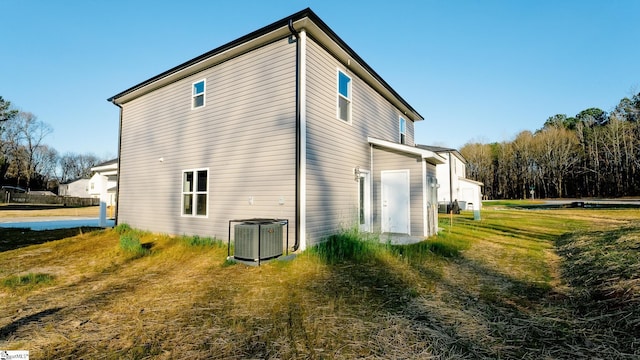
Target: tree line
26,161
591,154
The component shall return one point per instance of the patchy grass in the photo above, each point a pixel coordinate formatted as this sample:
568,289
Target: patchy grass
511,203
29,281
524,284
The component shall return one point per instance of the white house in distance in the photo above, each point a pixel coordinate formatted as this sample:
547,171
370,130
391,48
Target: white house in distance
75,188
104,183
286,122
453,182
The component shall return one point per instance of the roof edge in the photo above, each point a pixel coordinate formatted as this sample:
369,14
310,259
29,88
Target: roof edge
305,13
423,153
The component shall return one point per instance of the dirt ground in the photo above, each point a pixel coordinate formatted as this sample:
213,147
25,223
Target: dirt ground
21,211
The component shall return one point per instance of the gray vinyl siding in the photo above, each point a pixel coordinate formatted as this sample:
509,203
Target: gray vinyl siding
384,160
334,147
244,135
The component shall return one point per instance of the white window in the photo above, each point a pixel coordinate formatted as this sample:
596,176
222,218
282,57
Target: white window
403,130
364,200
197,94
344,97
195,192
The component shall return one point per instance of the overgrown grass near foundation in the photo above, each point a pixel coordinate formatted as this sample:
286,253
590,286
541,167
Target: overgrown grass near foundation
349,246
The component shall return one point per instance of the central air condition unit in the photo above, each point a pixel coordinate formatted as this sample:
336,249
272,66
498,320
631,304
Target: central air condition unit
258,240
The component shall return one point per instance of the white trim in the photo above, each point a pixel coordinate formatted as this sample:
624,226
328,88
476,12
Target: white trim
432,157
195,192
108,169
302,37
366,175
204,94
347,98
463,179
400,132
319,35
425,222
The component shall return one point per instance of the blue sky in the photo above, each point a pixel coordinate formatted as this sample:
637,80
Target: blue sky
476,70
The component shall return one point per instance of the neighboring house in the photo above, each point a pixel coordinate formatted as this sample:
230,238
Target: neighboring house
452,180
103,183
76,188
287,122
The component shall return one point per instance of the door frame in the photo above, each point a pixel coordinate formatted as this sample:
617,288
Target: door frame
364,201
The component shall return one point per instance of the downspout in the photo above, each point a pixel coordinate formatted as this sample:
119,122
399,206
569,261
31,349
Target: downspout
294,32
450,180
113,101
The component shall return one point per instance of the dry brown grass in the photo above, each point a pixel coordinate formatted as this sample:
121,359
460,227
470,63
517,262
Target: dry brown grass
506,294
21,211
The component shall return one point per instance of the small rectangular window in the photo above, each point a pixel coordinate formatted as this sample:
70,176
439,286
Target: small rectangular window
198,94
344,97
195,192
403,130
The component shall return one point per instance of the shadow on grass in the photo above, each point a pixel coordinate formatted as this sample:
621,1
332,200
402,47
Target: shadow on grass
12,327
15,238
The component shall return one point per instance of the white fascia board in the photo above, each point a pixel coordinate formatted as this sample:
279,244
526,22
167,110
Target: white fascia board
313,30
106,168
430,156
359,69
470,181
213,60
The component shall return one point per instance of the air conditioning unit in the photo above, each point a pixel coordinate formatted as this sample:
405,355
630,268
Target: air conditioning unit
257,240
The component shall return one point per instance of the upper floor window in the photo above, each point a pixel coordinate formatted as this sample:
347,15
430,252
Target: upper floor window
344,97
403,130
197,94
195,192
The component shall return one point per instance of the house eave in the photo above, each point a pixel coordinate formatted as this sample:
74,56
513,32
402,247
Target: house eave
304,20
427,155
442,150
462,179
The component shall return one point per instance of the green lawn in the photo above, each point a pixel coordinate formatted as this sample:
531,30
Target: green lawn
518,284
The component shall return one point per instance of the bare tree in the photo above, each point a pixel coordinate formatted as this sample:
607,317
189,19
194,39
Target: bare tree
524,162
557,154
76,166
32,133
480,165
10,148
45,162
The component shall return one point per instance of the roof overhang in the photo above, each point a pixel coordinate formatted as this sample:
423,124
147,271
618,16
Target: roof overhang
427,155
109,169
473,182
305,20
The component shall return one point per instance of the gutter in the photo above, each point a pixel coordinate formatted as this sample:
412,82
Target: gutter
119,157
295,33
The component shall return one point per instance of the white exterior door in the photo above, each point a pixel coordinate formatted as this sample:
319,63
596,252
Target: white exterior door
395,201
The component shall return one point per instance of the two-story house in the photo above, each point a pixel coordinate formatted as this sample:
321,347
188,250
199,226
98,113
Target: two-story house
103,186
286,122
453,184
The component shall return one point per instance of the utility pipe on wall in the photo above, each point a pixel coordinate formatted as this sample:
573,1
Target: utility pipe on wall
294,32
